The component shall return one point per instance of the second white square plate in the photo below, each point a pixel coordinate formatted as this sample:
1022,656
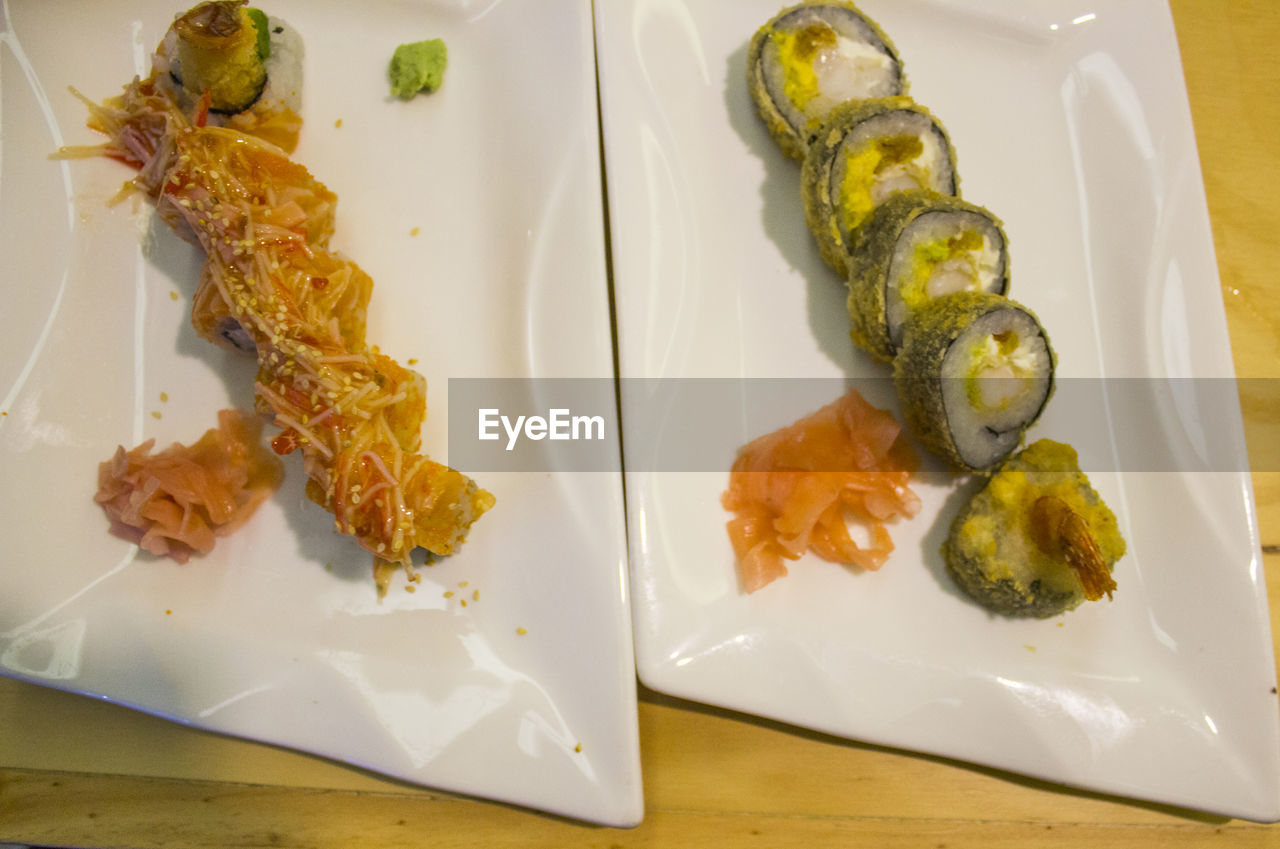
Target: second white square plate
1071,123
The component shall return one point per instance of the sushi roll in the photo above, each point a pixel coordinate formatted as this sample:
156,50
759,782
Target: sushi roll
916,247
247,65
866,152
810,58
1037,540
974,372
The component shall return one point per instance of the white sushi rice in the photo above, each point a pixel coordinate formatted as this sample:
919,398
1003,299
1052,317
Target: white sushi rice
284,67
990,396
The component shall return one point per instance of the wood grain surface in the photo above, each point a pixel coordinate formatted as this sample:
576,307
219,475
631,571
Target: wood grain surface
80,772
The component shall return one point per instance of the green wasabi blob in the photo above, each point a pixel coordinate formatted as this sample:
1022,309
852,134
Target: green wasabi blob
263,28
416,67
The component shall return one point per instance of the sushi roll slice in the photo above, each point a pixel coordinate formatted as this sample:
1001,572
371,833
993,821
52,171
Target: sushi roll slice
866,152
248,65
916,247
974,372
811,57
1037,540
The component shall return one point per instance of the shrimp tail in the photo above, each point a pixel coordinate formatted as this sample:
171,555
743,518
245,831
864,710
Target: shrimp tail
1061,532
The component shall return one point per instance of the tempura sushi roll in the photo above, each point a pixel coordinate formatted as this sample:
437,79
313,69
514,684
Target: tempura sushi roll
915,248
812,57
247,65
866,152
974,372
1037,540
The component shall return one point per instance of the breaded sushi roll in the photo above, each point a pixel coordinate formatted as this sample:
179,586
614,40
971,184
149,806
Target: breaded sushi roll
812,57
975,370
247,65
915,248
866,152
1037,540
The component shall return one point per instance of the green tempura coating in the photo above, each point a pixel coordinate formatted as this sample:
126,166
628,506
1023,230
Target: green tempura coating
417,66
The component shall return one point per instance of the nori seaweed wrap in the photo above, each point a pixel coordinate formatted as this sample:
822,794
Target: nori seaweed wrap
865,153
1037,540
974,372
810,58
918,246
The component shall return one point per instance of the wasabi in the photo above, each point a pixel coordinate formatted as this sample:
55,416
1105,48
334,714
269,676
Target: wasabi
418,66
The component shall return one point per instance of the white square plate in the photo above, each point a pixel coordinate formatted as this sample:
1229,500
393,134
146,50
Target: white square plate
1071,123
478,212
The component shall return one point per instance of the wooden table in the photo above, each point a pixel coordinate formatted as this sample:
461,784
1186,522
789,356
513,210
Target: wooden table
74,771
